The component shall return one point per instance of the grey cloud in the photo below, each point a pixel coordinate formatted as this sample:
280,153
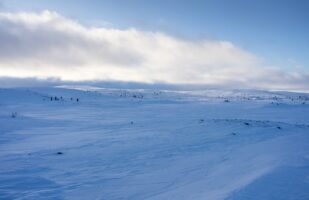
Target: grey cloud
43,42
44,45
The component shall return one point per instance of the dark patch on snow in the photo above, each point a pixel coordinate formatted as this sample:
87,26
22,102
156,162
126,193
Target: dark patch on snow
14,114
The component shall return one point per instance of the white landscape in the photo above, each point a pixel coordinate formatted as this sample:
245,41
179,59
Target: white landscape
154,100
97,143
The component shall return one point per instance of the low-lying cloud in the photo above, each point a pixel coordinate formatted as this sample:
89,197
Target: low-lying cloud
46,44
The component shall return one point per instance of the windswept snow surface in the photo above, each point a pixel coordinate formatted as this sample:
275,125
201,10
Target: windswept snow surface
148,144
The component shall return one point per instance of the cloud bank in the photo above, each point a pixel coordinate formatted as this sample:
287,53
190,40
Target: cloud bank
46,44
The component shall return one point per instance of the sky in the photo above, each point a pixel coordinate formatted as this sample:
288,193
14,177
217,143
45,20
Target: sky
244,43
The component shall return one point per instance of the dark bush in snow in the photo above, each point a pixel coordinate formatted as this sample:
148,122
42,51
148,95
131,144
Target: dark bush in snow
14,114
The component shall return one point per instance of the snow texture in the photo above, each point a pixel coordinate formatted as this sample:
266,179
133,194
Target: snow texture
97,143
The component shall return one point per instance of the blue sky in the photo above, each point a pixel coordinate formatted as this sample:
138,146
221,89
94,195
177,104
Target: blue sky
276,30
245,43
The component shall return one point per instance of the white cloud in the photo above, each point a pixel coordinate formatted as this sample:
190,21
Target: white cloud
49,45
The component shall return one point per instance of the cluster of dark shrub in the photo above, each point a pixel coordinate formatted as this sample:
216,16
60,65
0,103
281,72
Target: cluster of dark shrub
138,96
128,94
55,98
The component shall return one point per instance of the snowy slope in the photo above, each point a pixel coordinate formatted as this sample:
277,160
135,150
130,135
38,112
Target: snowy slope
98,143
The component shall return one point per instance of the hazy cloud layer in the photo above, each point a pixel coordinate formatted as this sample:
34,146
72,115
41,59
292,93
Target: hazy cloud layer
47,45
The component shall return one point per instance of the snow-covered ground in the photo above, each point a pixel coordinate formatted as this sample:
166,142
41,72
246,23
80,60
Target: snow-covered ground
95,143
